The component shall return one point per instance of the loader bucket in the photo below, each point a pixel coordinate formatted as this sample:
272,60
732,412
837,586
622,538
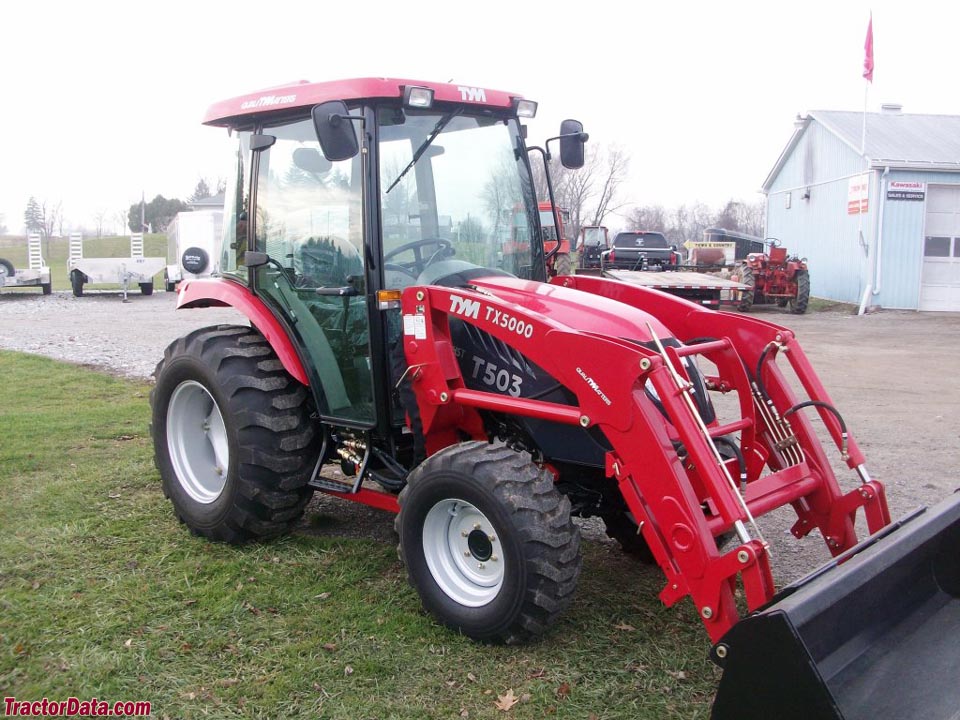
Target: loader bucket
873,634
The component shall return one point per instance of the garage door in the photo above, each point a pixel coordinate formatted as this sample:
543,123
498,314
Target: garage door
940,279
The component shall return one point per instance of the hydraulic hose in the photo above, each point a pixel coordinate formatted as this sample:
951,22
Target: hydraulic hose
728,443
830,408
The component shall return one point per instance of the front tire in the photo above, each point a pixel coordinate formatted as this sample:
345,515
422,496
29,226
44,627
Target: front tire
146,288
488,542
233,438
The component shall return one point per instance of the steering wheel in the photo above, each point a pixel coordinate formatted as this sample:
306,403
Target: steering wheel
420,258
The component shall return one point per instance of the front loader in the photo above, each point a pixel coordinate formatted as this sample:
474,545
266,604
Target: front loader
398,335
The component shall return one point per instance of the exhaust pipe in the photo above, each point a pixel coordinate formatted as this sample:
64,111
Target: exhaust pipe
873,634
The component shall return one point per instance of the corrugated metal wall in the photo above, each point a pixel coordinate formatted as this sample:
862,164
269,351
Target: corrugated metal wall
819,228
902,247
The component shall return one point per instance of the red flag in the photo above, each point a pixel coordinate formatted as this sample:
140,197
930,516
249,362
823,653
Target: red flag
868,52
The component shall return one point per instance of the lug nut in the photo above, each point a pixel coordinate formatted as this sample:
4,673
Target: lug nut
721,651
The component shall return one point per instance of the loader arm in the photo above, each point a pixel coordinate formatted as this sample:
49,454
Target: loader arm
607,375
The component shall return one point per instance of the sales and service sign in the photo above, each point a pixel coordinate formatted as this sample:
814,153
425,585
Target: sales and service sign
900,190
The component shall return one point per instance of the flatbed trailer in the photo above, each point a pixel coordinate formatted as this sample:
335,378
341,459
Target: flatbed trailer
36,275
122,271
702,288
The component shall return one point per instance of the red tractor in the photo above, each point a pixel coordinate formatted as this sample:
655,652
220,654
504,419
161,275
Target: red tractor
556,246
392,339
775,277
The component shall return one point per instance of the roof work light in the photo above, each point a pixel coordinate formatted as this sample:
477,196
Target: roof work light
417,97
524,108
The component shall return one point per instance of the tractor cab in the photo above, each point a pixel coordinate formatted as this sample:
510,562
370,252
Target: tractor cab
363,189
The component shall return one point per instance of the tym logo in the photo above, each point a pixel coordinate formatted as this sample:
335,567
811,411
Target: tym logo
462,306
470,94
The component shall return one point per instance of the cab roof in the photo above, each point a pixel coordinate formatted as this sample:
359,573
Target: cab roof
231,112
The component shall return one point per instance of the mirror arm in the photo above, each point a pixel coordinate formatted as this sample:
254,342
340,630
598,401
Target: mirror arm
581,136
553,202
337,118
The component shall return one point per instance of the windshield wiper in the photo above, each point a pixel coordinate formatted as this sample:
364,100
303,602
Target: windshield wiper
437,129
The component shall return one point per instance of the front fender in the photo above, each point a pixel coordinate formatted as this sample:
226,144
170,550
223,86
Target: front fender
219,292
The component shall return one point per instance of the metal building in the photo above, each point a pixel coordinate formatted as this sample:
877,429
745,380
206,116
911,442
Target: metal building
873,203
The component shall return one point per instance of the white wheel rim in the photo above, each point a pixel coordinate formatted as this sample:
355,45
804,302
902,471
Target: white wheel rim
197,442
463,552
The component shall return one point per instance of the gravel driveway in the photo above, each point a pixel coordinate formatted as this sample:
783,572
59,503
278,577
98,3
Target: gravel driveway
895,376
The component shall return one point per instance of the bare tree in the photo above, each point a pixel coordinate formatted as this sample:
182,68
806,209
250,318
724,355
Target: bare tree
589,193
649,217
614,169
100,217
120,218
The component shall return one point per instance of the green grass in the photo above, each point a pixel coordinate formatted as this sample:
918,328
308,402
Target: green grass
835,306
103,593
14,249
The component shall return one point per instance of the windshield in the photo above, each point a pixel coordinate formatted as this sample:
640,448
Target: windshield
641,240
453,189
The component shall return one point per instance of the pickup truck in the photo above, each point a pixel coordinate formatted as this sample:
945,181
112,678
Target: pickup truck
641,250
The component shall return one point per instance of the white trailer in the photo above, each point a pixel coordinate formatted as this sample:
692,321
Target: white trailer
703,288
113,271
193,246
36,275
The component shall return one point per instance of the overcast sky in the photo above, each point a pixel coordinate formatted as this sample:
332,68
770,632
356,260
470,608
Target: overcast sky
99,100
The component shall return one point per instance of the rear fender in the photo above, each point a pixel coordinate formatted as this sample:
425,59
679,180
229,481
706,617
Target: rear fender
219,292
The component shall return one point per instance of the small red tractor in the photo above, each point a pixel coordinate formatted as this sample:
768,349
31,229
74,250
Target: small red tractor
391,338
775,278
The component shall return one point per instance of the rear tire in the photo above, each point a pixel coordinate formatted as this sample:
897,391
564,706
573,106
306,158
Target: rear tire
799,305
233,438
6,268
146,288
747,278
46,288
563,264
488,542
77,279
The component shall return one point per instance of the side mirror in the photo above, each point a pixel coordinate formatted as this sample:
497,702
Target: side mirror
335,131
572,140
255,259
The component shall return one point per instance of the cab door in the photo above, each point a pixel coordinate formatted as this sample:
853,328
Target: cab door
309,220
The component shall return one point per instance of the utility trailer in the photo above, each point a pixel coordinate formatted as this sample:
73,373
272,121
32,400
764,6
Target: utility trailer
702,288
705,289
193,246
36,275
121,271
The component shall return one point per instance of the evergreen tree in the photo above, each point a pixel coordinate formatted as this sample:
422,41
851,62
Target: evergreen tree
201,191
33,216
